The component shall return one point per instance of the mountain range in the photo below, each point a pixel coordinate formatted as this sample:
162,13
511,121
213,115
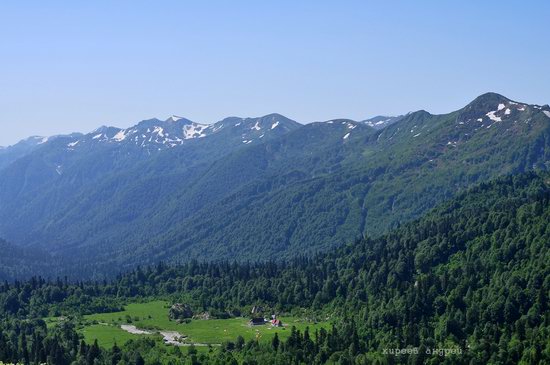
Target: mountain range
265,188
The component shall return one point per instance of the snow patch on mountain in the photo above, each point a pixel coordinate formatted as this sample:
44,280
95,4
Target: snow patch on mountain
120,136
493,117
380,121
156,135
216,128
194,130
159,131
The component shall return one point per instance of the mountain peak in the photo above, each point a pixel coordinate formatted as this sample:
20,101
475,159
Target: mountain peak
147,123
104,128
488,101
483,104
491,109
274,115
174,118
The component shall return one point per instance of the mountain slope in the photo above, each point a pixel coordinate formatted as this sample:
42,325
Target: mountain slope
53,179
19,262
471,278
257,188
12,153
365,185
147,207
380,121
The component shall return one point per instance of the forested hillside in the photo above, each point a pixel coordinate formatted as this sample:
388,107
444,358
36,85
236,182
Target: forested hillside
473,276
253,188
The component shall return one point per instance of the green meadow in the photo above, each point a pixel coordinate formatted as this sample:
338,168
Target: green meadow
107,336
153,316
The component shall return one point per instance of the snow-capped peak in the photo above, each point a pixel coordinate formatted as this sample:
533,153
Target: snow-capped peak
156,135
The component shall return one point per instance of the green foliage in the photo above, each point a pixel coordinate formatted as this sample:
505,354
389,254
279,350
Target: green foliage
471,278
303,192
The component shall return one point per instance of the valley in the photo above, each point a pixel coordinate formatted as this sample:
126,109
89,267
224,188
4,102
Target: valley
274,183
422,232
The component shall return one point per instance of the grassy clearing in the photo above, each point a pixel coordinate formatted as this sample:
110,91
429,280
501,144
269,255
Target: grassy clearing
105,327
107,336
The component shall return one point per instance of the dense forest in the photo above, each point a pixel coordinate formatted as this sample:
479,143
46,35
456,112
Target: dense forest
471,277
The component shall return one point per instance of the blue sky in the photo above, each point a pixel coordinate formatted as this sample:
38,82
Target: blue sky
74,65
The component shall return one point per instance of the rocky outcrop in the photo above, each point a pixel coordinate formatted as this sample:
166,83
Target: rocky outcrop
180,311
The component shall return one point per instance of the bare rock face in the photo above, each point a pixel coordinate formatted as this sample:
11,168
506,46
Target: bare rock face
180,311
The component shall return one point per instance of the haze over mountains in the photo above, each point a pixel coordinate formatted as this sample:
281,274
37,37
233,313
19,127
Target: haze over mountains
247,188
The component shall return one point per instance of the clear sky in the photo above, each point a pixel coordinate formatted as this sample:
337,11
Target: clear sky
75,65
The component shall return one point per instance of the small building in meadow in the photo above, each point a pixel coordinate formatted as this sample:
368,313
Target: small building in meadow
276,322
256,321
